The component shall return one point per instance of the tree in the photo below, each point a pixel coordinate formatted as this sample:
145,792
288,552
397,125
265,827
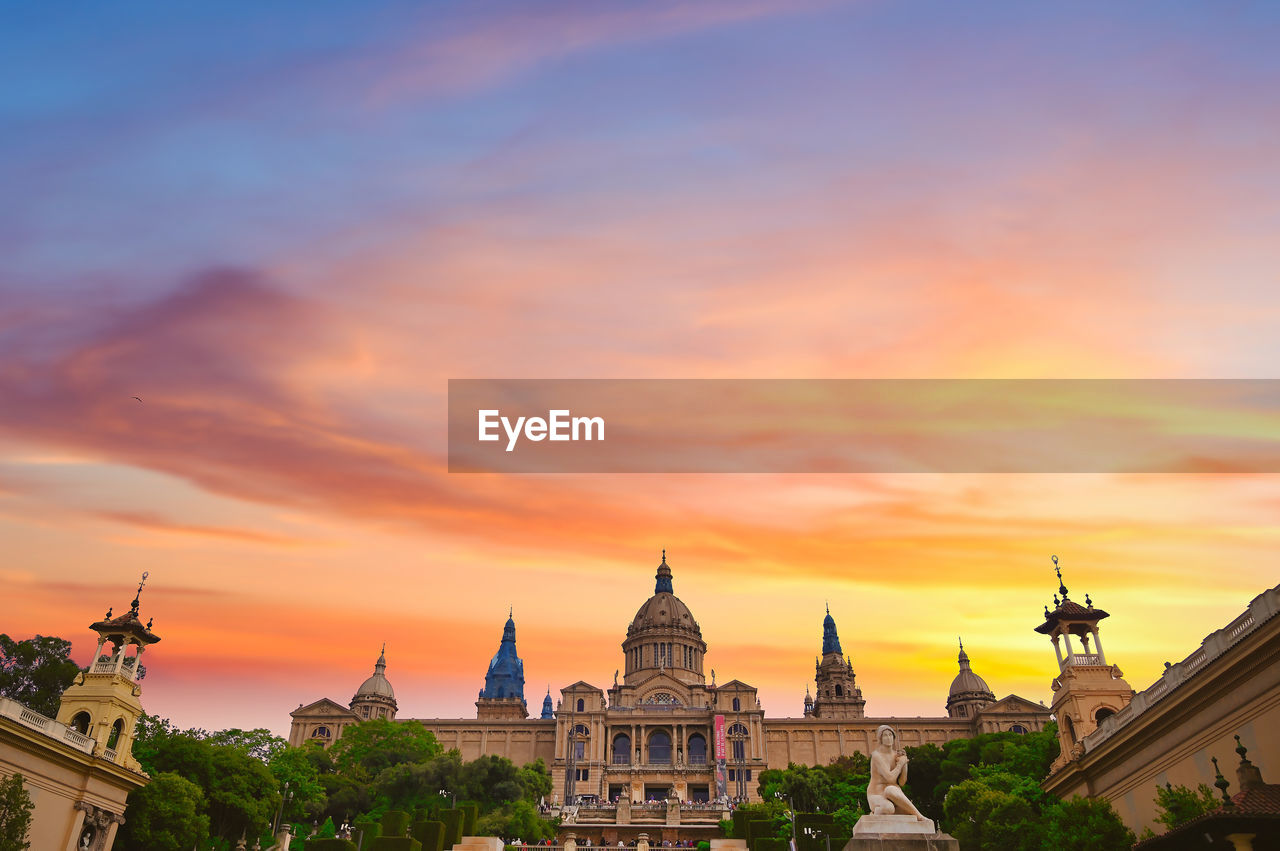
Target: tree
165,815
987,819
370,746
535,777
36,671
296,767
15,814
1085,824
261,744
1179,805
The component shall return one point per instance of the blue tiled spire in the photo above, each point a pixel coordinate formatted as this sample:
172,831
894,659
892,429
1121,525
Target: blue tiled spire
830,641
547,713
506,672
664,577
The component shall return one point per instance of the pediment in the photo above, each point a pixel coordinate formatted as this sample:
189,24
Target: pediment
323,706
735,685
579,687
1013,704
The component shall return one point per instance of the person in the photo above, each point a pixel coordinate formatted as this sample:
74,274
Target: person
888,773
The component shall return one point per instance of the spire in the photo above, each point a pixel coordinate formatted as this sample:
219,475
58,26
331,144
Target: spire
509,629
964,657
664,577
1221,782
505,677
381,664
830,640
547,712
1062,589
138,596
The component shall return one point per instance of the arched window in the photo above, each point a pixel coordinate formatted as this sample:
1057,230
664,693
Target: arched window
116,729
321,732
737,705
839,691
659,748
622,749
737,730
80,723
581,731
1017,728
1070,728
1103,713
697,749
581,704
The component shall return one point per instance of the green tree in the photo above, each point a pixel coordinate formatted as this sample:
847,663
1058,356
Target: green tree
535,777
36,671
15,814
370,746
296,767
165,815
987,819
1085,824
1178,805
261,744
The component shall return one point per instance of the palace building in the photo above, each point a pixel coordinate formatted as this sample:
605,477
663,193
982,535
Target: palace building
650,735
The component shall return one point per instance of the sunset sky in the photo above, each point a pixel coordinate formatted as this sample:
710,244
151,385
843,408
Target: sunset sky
286,226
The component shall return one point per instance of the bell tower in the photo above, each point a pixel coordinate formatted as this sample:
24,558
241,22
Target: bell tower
103,702
1087,689
838,693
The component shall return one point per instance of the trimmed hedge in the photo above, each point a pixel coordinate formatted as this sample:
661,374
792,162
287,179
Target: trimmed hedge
331,845
740,819
395,823
395,843
771,843
470,814
452,827
430,834
758,829
369,828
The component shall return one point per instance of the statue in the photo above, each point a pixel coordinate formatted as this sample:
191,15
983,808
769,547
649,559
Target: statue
888,774
615,677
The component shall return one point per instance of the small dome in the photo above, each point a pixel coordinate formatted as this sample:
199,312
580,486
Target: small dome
377,685
967,682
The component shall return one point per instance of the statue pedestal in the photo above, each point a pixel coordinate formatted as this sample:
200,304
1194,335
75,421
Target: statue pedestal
898,833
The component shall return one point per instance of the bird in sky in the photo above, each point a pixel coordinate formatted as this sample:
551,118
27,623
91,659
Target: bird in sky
138,398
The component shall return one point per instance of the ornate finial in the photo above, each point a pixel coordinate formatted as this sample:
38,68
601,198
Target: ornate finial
1241,749
1062,589
137,596
107,616
1087,601
1056,603
961,640
664,555
1221,782
511,612
828,606
1046,612
150,621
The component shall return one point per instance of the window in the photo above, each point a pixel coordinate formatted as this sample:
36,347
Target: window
116,729
739,749
962,711
80,723
1017,728
582,774
579,750
321,732
622,750
697,749
659,748
1103,714
737,730
737,705
839,691
582,703
740,774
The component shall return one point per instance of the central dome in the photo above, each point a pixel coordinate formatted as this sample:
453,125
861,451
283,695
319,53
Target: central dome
663,637
664,608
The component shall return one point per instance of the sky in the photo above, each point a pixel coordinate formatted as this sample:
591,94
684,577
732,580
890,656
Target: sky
285,227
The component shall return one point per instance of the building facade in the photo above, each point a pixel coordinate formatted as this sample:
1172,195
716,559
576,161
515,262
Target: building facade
79,768
650,736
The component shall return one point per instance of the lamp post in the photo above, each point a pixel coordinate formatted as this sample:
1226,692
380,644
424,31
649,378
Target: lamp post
445,793
285,797
791,815
813,831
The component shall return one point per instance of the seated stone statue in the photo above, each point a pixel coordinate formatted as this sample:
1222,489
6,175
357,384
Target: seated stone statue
888,773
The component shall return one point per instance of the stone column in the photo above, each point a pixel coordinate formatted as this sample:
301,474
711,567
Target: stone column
1097,642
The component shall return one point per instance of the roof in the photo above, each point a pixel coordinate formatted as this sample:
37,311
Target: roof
1070,610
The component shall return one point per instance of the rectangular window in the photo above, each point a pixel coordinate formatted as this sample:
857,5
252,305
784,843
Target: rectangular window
579,750
739,750
582,774
733,775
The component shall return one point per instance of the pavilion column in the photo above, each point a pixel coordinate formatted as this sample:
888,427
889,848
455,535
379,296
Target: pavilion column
1097,643
1057,650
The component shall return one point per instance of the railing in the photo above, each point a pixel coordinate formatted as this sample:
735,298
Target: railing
620,760
47,726
109,754
1261,609
1085,659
